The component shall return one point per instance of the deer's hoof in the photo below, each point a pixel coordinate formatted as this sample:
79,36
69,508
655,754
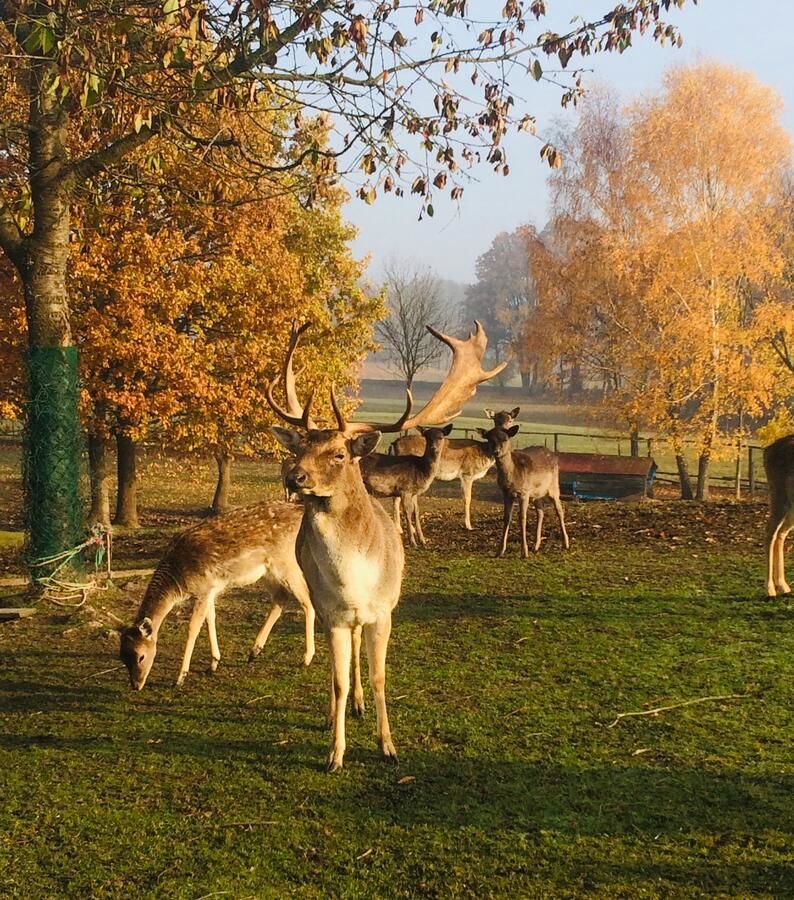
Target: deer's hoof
389,753
214,665
334,762
358,710
181,680
307,658
254,652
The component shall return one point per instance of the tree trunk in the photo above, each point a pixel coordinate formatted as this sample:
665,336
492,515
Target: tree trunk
703,475
634,441
683,475
53,504
99,466
126,495
575,384
220,502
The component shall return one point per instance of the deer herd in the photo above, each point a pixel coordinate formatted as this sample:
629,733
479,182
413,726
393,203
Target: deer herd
339,555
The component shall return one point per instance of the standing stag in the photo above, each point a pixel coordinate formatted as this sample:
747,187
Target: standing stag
233,550
348,548
779,466
525,475
462,459
405,478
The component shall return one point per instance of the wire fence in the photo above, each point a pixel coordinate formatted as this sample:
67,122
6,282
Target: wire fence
723,471
745,467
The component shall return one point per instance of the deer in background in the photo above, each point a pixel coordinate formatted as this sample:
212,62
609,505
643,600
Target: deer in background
779,467
286,465
525,475
462,459
233,550
348,547
405,478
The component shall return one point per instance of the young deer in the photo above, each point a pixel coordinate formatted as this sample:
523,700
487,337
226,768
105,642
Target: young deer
405,478
525,475
348,548
779,466
235,549
462,459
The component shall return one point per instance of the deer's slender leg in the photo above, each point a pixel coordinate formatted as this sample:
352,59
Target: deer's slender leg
418,521
358,688
773,527
507,515
408,507
780,545
215,650
523,505
332,703
539,527
193,628
396,503
341,646
561,517
466,484
377,637
309,617
264,632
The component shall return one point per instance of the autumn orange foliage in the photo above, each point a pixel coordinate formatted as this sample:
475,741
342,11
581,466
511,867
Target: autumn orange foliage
666,255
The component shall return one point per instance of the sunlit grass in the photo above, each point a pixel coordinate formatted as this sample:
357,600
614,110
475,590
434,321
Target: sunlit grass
504,679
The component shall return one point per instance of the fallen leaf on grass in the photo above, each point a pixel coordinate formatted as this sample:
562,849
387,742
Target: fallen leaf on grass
407,779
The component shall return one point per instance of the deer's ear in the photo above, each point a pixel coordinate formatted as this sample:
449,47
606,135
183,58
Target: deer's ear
489,412
146,627
447,428
483,432
288,438
513,431
514,412
364,444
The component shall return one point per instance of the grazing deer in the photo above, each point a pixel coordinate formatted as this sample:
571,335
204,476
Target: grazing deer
236,549
405,478
779,467
525,475
462,459
348,548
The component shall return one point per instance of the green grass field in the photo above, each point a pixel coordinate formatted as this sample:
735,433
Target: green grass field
506,678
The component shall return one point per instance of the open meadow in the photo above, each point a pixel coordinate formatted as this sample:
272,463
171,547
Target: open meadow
508,679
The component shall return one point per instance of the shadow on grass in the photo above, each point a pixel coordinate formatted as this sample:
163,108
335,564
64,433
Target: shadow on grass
494,793
487,793
427,607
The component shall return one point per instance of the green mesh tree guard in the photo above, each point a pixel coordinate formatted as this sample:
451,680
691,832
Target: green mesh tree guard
52,459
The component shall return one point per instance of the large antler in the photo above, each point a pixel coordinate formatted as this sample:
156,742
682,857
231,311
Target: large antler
464,375
295,414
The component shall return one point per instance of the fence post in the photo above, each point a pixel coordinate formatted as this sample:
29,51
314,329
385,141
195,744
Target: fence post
738,473
750,471
650,447
556,442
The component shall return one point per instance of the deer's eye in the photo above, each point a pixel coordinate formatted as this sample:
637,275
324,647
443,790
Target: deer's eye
339,457
141,658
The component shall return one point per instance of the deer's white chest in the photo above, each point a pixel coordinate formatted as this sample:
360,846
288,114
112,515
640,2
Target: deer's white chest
345,582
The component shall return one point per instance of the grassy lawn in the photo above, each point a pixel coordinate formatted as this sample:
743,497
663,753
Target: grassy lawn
504,679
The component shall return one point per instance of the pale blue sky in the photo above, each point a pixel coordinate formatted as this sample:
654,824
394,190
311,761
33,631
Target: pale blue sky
757,36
